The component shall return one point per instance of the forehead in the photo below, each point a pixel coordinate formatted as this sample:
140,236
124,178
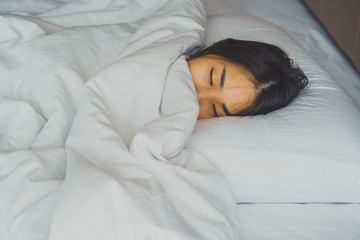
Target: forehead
237,99
238,73
238,91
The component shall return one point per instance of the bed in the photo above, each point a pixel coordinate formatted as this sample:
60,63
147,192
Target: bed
99,136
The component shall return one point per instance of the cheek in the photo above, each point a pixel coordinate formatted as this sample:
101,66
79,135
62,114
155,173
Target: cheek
205,111
238,100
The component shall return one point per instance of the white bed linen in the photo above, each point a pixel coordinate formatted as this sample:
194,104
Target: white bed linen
107,105
299,221
306,152
34,176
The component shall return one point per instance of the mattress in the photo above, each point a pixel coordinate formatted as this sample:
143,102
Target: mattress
299,221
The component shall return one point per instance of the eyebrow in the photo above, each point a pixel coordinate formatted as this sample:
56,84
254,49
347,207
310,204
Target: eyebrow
223,74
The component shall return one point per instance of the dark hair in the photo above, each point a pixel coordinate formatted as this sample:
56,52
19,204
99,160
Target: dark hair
277,79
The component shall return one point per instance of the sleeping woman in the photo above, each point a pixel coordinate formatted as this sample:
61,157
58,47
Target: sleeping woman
240,78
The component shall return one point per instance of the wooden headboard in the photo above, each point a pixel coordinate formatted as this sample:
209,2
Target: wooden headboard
341,18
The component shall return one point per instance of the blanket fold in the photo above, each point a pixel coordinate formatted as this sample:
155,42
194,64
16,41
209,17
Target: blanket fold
119,101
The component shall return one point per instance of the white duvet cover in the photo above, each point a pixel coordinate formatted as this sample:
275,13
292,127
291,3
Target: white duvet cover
96,108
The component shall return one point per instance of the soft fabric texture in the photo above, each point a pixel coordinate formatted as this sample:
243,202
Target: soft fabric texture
308,151
98,103
311,221
105,77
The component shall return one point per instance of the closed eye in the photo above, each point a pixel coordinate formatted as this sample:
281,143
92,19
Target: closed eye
214,110
211,75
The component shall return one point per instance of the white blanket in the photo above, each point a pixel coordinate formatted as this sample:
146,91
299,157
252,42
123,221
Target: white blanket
97,104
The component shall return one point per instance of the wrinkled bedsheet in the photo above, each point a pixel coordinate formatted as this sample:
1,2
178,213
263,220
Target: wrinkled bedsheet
97,103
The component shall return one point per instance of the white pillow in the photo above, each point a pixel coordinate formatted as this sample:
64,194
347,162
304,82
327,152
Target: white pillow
306,152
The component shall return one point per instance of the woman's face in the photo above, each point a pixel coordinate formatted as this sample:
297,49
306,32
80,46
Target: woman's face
222,88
